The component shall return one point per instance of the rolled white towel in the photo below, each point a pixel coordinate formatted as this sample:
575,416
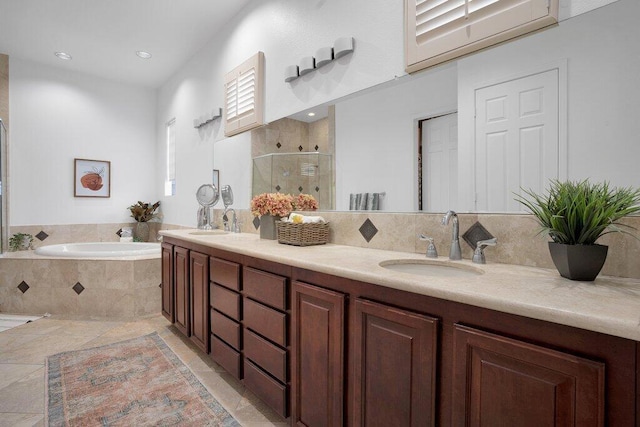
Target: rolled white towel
304,219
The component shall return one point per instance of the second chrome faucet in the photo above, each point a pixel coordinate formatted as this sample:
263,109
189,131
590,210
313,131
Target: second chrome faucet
455,253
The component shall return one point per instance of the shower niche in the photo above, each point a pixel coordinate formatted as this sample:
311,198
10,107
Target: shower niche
294,173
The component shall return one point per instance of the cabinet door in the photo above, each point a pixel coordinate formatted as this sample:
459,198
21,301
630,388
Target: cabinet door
502,381
167,282
199,291
317,360
181,286
393,368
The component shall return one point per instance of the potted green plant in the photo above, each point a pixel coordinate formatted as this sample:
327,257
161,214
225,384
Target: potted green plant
576,215
20,242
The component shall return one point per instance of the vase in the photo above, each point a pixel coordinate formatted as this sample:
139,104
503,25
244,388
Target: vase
268,228
578,262
141,232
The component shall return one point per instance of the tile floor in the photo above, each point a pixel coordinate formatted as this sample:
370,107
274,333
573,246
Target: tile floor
22,373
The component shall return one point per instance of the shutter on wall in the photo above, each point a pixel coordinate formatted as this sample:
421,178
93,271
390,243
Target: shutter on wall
243,88
440,30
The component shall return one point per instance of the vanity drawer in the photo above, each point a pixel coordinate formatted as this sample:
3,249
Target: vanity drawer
226,329
266,287
224,273
266,388
225,356
270,357
225,301
266,321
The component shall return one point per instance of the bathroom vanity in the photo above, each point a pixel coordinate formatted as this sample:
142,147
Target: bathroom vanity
326,336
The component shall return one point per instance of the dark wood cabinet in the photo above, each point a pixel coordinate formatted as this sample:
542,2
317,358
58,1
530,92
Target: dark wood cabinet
394,366
225,304
266,331
333,351
199,294
181,289
317,357
502,381
167,282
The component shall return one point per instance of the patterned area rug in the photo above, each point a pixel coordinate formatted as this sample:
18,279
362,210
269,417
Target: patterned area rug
138,382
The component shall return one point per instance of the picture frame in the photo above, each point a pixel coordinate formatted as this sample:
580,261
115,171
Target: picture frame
91,178
216,179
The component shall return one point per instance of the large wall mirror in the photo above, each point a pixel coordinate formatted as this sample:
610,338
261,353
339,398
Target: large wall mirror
562,103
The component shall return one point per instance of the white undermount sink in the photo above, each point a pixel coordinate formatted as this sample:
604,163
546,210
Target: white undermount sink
208,232
429,268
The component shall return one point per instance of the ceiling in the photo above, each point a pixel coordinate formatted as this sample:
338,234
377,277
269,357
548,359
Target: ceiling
103,36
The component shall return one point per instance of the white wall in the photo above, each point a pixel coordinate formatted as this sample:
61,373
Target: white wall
376,141
57,116
602,108
285,30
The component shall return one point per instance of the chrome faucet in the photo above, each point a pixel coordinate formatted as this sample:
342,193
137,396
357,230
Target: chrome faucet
478,254
455,253
235,227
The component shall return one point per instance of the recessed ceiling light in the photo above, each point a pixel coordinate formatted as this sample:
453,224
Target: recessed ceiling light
311,114
63,55
142,54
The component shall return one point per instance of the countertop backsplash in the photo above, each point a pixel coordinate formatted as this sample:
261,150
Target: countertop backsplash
518,238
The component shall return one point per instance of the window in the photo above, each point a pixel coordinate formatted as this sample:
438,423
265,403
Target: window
170,179
243,89
440,30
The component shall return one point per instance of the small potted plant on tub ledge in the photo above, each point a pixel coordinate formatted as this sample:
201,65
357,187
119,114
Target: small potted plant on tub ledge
143,212
575,215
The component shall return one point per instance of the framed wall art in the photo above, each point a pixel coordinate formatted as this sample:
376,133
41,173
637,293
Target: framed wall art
92,178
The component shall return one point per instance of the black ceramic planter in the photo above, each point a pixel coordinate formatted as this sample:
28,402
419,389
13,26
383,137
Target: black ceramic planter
578,262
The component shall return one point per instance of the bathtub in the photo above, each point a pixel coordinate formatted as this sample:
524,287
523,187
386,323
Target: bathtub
99,250
105,280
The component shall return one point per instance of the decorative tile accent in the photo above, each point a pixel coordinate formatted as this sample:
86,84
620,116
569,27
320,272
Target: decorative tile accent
119,233
368,230
42,235
278,145
475,233
78,288
160,285
317,188
300,188
316,147
300,148
278,188
256,222
23,287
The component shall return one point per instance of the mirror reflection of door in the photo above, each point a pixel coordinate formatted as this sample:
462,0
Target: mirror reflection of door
438,163
516,139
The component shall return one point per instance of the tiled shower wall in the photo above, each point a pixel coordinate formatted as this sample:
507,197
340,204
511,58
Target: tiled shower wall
294,173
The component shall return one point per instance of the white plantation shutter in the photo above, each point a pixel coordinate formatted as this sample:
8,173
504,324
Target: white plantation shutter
243,93
440,30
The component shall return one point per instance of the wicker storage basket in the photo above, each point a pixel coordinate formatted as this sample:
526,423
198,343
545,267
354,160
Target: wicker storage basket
302,234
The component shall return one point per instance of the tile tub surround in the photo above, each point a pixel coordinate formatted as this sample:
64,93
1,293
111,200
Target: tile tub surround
518,239
80,233
609,305
113,288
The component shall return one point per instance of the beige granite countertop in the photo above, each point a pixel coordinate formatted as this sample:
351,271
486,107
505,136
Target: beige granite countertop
609,305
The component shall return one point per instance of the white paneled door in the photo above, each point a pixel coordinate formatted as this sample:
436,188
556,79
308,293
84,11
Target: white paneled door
516,139
440,163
